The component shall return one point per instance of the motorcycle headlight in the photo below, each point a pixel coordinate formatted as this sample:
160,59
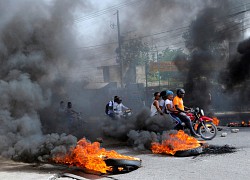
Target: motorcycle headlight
202,112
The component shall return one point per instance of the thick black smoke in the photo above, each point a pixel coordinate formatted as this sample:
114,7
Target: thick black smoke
36,54
205,42
237,74
120,128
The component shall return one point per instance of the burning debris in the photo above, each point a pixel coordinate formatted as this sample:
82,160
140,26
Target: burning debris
91,157
174,143
216,121
239,124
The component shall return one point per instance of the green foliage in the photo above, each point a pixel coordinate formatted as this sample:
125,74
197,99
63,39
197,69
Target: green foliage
166,55
170,54
134,52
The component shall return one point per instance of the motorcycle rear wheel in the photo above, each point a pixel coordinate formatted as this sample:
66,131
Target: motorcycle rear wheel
207,130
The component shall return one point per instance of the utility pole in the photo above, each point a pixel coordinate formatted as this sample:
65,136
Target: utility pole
119,47
158,65
146,78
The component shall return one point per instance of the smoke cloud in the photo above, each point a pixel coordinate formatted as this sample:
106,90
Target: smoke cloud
236,75
37,45
38,62
205,41
139,130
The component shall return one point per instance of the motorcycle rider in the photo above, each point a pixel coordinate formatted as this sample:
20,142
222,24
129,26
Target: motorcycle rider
170,109
118,107
182,110
163,96
111,105
155,108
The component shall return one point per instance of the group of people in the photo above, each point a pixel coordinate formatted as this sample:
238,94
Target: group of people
166,103
115,107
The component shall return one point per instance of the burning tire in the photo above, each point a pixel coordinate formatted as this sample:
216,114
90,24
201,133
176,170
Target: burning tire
189,152
123,165
207,130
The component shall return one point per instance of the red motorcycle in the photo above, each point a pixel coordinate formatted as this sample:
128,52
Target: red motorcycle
202,124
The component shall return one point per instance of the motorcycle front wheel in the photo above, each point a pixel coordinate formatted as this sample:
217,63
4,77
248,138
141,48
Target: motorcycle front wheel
207,130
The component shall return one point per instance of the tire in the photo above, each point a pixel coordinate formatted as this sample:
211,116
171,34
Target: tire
126,165
122,162
189,152
207,135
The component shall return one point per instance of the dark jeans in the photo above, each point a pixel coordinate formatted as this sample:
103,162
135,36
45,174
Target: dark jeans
177,121
184,118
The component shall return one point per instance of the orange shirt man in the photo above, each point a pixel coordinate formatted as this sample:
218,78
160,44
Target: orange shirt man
178,101
181,113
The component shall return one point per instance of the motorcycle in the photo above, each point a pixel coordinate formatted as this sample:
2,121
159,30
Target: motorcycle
202,124
124,114
127,113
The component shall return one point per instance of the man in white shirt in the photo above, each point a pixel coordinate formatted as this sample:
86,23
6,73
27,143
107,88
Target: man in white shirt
118,107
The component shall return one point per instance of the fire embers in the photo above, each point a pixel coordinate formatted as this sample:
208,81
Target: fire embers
239,124
216,121
89,156
176,144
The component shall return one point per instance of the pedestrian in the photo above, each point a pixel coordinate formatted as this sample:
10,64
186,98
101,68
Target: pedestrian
62,107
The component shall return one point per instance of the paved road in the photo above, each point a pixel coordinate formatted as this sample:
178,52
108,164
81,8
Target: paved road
205,167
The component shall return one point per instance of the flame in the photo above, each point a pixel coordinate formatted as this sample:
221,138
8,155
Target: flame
216,121
239,124
176,142
90,156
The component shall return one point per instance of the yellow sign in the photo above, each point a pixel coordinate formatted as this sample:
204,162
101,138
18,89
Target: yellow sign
163,66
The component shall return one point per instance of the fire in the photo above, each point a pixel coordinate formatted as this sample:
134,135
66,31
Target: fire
239,124
216,121
90,156
176,142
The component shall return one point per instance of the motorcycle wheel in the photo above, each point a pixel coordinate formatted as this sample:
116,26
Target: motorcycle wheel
207,130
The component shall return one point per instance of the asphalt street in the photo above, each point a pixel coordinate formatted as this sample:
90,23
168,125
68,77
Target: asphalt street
154,166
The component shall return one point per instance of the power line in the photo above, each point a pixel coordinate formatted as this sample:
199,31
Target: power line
158,33
105,11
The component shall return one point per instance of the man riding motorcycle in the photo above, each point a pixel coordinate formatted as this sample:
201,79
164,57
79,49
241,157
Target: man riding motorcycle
115,109
118,108
181,111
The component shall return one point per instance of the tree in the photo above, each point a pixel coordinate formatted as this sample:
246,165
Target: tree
133,53
170,54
